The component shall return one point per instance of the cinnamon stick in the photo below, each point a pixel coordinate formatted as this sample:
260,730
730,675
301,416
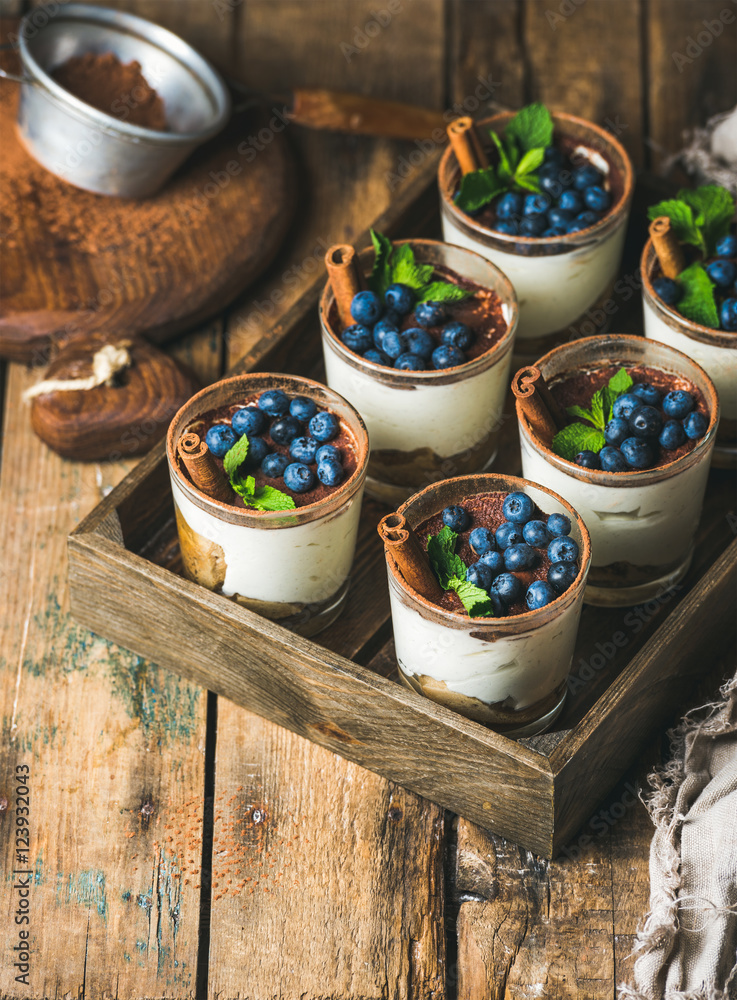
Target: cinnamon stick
466,145
667,247
200,464
341,261
543,414
411,559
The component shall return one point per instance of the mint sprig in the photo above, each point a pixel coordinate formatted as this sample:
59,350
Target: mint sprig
699,217
397,265
450,570
531,127
698,303
263,498
576,437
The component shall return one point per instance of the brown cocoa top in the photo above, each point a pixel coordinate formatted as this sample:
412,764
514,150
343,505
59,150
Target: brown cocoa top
119,89
486,512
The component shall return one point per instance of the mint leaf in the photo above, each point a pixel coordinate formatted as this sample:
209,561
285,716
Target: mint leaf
531,127
506,170
528,182
235,457
406,271
244,487
578,411
475,600
441,553
269,498
682,221
574,438
597,409
698,302
713,207
532,159
618,384
443,291
478,188
380,273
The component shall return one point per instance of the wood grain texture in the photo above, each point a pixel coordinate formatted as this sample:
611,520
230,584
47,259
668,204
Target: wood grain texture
486,48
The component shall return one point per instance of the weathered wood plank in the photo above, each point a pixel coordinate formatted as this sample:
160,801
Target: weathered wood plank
485,52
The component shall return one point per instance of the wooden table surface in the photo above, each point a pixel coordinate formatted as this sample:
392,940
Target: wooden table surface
183,847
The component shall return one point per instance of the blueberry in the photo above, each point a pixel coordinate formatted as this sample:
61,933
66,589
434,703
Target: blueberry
553,231
647,393
457,335
330,472
498,605
420,342
302,408
554,155
507,226
274,464
586,176
303,449
409,362
678,404
533,225
456,518
561,575
571,201
536,204
324,426
509,587
645,421
728,315
616,431
727,246
381,329
481,540
220,439
298,477
357,338
518,508
588,217
447,356
612,459
328,451
273,402
539,594
285,430
394,344
480,575
563,549
672,435
400,298
637,453
249,420
508,534
520,556
576,226
366,307
494,560
597,198
378,357
695,425
722,272
257,452
536,533
625,405
668,290
509,205
588,459
392,317
559,217
559,524
430,313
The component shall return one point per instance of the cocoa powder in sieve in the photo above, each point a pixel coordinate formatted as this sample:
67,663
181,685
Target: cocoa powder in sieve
121,90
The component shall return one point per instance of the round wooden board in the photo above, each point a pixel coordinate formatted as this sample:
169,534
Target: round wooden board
75,263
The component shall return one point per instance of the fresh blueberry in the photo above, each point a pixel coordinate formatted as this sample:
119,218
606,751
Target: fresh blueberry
536,204
561,575
539,594
672,435
509,205
298,477
508,534
647,393
420,342
303,449
563,549
480,575
285,430
576,226
722,272
456,518
509,587
668,290
400,298
324,426
447,356
481,540
220,439
494,560
612,459
728,314
559,217
645,421
302,408
571,201
378,357
554,155
637,453
596,198
250,420
616,431
497,603
257,452
393,317
559,524
430,313
536,533
695,425
518,508
328,451
553,231
533,225
393,344
727,246
588,459
586,176
677,404
520,556
330,472
357,338
509,227
366,307
549,179
457,335
274,464
381,329
409,362
273,402
623,406
588,217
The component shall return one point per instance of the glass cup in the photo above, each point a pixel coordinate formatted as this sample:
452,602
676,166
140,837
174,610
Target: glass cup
507,673
642,523
562,282
426,425
291,566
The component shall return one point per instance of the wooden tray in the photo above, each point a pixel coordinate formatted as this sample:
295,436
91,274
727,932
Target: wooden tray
631,669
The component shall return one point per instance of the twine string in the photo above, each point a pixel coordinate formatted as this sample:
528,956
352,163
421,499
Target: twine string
106,364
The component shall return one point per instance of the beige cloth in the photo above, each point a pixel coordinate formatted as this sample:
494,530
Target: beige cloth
688,945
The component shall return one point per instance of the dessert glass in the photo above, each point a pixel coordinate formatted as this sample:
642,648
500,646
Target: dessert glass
642,523
426,425
714,350
561,282
507,673
291,566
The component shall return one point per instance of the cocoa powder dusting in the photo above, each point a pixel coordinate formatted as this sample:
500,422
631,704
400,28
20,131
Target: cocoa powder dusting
119,89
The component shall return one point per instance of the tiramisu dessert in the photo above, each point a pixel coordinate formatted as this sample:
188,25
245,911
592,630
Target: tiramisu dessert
267,473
